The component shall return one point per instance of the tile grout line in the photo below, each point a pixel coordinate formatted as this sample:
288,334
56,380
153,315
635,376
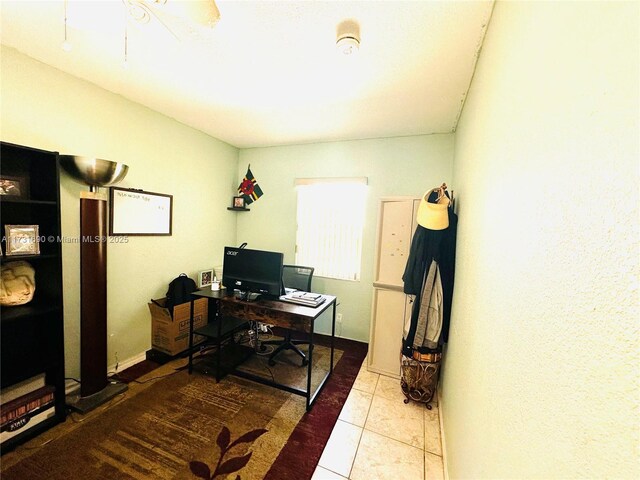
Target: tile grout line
439,436
395,439
443,444
365,423
356,454
353,424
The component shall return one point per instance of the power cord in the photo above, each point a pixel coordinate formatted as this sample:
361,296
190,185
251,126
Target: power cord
148,379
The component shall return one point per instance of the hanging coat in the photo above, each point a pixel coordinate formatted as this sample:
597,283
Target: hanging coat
429,323
427,246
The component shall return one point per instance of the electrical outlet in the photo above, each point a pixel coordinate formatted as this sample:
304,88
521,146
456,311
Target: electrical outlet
339,318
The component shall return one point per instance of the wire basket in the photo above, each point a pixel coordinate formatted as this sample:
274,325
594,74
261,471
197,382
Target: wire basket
419,378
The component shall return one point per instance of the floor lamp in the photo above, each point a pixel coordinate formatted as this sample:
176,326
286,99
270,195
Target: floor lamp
95,388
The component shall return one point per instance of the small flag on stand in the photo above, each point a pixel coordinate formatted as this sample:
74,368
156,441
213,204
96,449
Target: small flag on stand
249,188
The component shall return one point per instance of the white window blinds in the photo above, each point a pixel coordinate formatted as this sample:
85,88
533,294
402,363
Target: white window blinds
330,221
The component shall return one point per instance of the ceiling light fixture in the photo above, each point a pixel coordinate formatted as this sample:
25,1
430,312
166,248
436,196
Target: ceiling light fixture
348,45
348,42
176,16
184,20
181,19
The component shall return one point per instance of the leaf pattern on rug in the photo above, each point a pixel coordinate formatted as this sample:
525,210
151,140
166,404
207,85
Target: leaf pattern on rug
202,470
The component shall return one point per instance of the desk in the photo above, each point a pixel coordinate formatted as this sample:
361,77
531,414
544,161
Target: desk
231,313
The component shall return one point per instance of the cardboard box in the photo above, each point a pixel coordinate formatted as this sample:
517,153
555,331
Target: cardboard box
171,335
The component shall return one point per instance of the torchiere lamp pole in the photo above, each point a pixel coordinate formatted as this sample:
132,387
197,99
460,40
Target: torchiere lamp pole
95,388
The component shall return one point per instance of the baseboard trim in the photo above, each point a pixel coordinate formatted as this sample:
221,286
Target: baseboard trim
71,386
442,439
130,362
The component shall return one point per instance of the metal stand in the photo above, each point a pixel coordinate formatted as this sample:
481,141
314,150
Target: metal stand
419,379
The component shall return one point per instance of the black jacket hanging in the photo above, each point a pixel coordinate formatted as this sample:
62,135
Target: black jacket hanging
426,246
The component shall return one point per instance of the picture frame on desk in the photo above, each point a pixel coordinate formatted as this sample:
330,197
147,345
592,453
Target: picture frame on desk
239,202
205,278
22,240
16,187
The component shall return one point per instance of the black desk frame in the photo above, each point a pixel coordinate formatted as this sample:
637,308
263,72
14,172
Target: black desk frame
306,314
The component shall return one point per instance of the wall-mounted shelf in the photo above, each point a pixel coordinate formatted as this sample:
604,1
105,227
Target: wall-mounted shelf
29,202
27,258
237,209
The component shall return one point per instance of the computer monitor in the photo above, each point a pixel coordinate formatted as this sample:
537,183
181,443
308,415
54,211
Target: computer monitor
255,271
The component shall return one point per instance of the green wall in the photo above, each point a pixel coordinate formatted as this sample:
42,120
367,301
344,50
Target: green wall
45,108
541,377
394,166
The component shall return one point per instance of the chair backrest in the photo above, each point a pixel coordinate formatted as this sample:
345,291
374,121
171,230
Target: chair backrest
297,276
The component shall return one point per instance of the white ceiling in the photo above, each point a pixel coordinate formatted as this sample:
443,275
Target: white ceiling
269,72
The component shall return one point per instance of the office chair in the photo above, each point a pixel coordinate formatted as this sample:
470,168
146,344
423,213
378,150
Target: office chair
299,278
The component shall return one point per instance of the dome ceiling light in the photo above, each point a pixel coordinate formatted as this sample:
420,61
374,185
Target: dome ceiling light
348,33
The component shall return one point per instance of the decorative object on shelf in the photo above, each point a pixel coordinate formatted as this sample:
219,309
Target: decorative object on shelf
22,239
238,202
249,188
17,283
14,186
205,278
136,212
95,388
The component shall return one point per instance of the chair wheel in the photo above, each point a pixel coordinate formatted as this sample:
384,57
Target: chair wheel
429,407
406,400
272,363
305,362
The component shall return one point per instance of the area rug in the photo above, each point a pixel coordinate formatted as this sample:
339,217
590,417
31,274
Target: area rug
188,426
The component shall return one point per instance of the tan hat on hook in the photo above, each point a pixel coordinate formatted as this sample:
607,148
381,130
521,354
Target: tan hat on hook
434,216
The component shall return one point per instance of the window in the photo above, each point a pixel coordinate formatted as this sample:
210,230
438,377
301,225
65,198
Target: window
330,220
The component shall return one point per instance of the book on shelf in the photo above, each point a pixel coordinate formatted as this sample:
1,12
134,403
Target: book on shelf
24,405
26,422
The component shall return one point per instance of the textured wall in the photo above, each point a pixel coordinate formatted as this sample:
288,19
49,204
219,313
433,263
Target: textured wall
394,166
45,108
541,378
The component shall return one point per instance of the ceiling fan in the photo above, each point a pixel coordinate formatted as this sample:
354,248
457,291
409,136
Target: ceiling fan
183,19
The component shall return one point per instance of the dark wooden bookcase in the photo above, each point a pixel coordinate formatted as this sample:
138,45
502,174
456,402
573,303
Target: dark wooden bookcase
32,340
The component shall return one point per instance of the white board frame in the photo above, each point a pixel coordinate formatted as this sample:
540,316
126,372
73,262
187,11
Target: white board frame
140,213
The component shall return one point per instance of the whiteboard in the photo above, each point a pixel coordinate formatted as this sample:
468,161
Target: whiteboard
136,212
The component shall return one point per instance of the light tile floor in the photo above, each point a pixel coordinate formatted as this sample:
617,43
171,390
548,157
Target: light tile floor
379,437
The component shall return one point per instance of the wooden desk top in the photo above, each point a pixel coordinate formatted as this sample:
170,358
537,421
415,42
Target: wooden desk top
276,311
